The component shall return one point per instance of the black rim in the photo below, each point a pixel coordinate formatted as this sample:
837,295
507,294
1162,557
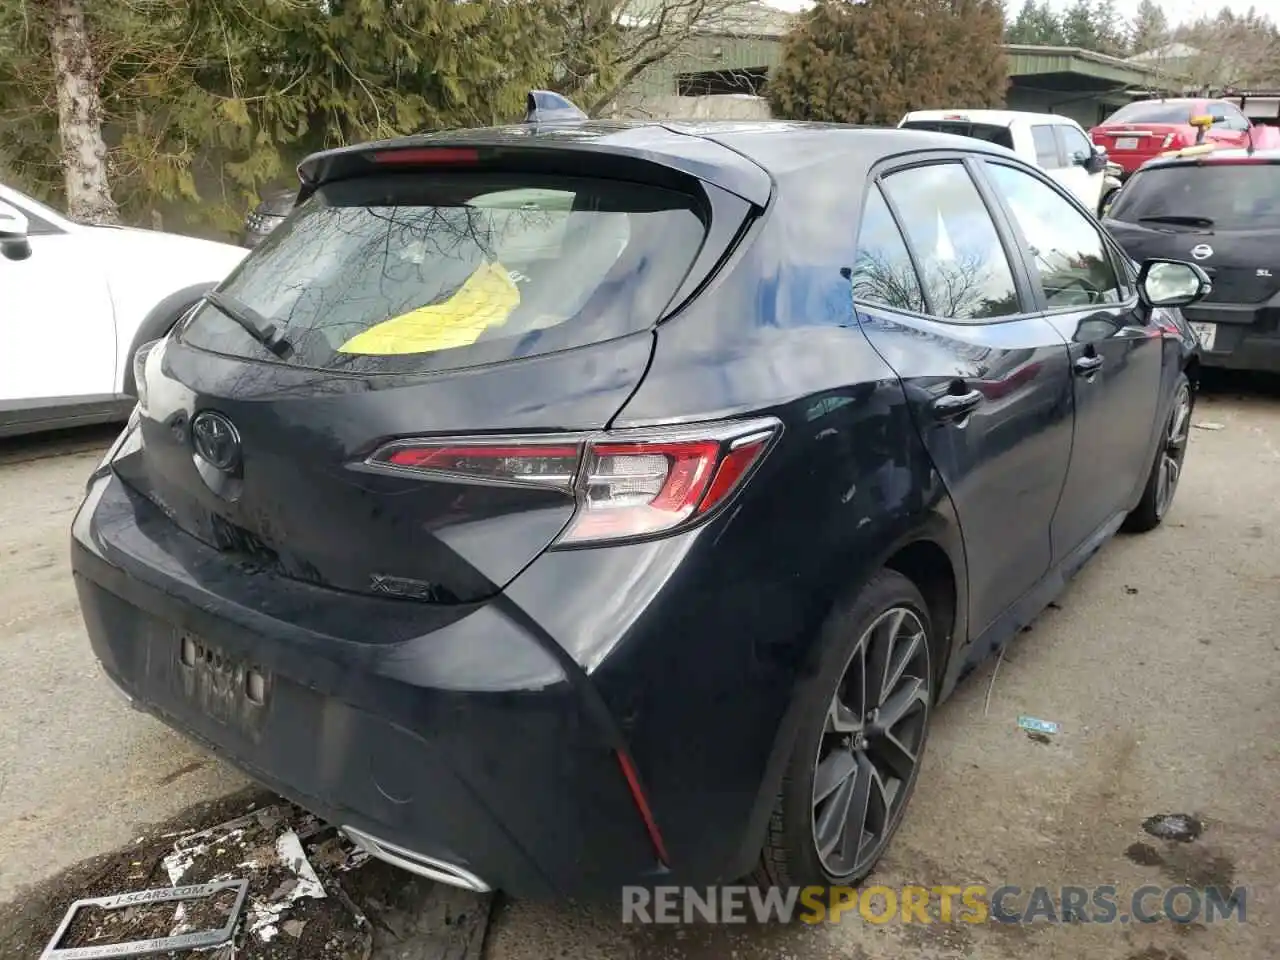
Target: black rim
871,742
1173,451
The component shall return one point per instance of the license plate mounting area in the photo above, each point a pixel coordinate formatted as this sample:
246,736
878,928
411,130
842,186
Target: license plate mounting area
226,688
1207,332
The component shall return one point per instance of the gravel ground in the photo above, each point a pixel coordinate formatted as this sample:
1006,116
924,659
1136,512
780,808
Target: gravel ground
1160,666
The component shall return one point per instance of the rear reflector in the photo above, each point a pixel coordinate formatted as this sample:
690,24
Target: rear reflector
427,156
642,807
627,484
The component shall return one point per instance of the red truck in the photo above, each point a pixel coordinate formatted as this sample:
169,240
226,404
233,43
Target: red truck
1145,129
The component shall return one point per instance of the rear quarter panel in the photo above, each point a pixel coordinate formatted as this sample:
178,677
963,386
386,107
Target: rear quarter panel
849,482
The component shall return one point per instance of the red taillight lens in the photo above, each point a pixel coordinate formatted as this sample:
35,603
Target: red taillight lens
541,464
626,485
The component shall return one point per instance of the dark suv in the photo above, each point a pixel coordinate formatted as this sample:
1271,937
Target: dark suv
576,503
1220,209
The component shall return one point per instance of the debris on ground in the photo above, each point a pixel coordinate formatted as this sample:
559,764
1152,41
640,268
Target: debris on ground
1038,730
293,905
310,894
1181,827
143,922
1207,425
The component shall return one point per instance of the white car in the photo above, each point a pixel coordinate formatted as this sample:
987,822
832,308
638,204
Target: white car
76,301
1056,144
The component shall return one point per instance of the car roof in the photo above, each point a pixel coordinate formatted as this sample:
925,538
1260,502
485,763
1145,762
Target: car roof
996,118
753,154
1234,156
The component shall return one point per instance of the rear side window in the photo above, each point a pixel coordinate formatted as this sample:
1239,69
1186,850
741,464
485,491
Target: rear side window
1153,112
1231,197
1046,146
963,265
977,131
883,272
429,271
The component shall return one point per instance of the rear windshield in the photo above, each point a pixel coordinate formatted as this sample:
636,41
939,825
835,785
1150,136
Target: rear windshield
1153,113
978,131
413,272
1232,196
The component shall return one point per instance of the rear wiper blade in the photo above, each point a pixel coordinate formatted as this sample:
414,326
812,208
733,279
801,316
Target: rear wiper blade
251,322
1178,220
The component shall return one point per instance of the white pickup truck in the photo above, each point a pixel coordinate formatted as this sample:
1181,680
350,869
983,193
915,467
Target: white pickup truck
1056,144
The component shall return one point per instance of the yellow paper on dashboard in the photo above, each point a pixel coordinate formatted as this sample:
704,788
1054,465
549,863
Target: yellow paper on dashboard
486,300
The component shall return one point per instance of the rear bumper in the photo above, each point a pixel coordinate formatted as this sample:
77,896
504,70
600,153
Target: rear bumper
509,779
1245,336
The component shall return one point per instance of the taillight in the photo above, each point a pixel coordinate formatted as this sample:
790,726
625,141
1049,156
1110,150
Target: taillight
627,483
140,369
531,462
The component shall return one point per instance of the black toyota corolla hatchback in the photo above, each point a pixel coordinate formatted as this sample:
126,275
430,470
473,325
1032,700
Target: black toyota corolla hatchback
575,504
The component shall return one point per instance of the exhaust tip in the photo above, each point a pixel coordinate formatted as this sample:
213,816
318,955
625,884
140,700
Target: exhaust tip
416,863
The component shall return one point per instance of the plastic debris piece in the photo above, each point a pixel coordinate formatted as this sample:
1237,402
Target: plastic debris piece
1035,725
1207,425
1181,827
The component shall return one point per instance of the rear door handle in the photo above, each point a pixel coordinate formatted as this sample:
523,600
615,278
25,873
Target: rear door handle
954,406
1087,365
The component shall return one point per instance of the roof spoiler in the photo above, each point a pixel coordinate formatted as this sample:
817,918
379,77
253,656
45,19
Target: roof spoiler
544,106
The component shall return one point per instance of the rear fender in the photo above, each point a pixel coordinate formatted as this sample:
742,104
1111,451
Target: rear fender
937,525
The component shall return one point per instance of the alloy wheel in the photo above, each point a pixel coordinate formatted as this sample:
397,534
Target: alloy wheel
1173,451
871,742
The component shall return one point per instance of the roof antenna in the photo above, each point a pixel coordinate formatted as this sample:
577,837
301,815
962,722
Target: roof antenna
544,106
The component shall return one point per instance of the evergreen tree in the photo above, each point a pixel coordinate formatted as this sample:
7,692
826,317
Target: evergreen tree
243,90
872,61
1078,26
1113,32
1150,29
1037,24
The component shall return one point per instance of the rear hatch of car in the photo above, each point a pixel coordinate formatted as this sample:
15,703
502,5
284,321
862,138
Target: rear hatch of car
389,396
1221,213
1133,144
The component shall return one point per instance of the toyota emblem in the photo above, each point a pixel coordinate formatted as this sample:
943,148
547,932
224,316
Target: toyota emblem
1202,251
216,440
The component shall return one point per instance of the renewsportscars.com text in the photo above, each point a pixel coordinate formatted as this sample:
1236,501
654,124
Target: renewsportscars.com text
971,904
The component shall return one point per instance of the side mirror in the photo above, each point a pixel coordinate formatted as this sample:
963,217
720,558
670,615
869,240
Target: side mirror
1093,163
1172,283
13,233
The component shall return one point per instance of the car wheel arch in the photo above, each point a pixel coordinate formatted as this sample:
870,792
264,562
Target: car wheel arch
158,322
926,564
931,556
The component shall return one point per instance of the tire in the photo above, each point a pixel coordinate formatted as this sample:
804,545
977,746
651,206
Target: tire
830,741
1171,454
